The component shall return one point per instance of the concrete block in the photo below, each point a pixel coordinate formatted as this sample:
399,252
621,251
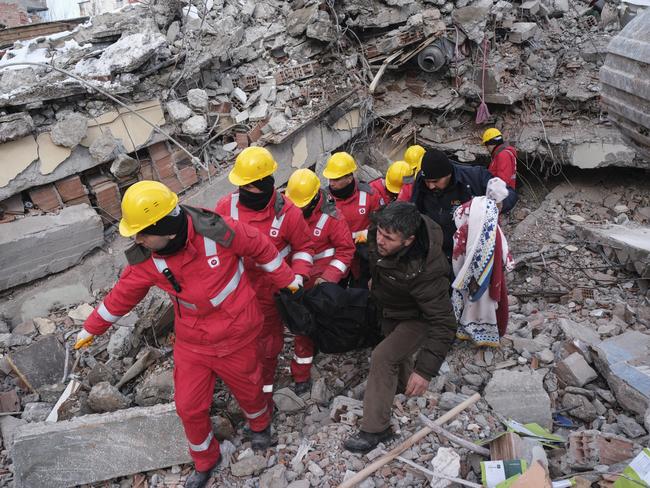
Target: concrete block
624,361
98,447
39,364
575,371
41,245
522,31
519,396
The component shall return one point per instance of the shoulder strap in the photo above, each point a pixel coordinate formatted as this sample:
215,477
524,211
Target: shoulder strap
502,148
210,224
363,186
137,254
328,206
279,203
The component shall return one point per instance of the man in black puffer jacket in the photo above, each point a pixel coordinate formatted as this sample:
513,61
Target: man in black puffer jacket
411,288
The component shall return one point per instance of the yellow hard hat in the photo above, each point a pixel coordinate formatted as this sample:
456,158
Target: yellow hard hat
413,156
302,187
338,165
252,164
144,204
395,174
490,134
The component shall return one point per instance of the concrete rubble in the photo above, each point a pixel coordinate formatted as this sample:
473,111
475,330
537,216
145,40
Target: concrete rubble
295,77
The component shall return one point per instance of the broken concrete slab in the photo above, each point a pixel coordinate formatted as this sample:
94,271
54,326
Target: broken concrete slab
248,466
124,165
624,361
39,364
98,447
522,31
519,395
629,244
68,237
197,98
8,427
70,130
575,371
15,126
106,147
195,125
178,111
578,332
157,388
104,397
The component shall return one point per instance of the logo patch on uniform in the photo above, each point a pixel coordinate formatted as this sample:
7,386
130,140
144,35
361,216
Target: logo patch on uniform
274,232
317,232
213,261
362,210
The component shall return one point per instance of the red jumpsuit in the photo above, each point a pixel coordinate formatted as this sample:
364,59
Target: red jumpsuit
285,225
357,209
379,185
504,164
333,253
216,322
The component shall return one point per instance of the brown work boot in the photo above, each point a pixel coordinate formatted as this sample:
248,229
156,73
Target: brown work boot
367,441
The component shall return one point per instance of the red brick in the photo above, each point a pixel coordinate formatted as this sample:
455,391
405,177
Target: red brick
164,167
242,139
204,173
108,200
97,180
46,198
173,184
77,201
158,150
256,132
179,156
70,188
146,170
188,177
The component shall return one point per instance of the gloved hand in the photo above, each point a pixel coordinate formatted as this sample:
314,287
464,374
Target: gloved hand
361,237
295,284
84,339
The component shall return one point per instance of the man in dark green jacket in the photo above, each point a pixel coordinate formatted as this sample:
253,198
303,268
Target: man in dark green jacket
410,286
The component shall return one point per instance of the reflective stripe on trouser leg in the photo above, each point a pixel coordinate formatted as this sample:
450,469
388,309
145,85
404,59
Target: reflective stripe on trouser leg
242,373
204,445
194,381
303,358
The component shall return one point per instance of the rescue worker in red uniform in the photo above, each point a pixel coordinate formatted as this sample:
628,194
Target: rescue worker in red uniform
333,251
390,186
504,157
197,257
413,156
260,205
356,200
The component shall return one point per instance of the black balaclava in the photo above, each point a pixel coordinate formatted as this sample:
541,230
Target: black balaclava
308,209
345,192
258,201
174,223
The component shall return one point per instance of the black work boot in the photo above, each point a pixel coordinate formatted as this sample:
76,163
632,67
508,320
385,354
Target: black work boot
302,387
198,479
261,440
366,441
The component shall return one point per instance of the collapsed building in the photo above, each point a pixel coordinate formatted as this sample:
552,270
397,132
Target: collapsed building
173,91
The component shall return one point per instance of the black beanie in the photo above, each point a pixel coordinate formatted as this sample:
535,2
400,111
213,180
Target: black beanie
169,225
435,165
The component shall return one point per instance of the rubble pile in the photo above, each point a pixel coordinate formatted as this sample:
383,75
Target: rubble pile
573,361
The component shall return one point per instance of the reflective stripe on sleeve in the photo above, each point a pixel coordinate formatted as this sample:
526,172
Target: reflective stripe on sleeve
327,253
234,211
106,315
308,360
303,256
338,265
267,389
272,265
